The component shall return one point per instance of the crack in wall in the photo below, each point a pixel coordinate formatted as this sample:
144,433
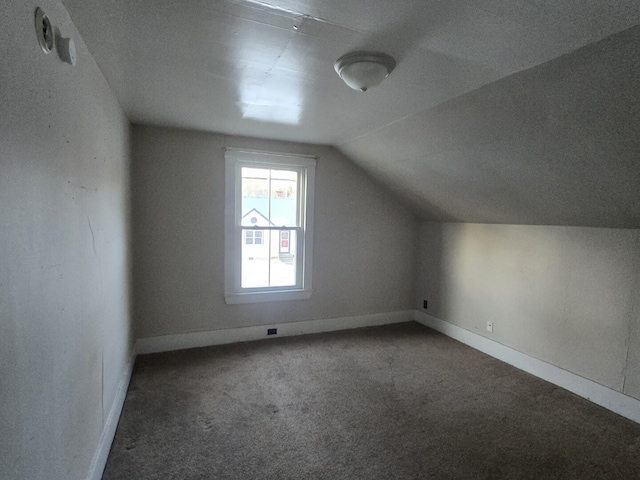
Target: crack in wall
102,387
95,252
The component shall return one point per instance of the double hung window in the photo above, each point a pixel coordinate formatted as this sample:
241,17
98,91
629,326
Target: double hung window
268,226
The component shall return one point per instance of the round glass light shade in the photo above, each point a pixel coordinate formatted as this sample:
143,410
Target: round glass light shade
364,75
364,70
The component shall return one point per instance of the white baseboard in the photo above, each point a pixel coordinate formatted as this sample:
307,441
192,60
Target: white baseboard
606,397
109,429
167,343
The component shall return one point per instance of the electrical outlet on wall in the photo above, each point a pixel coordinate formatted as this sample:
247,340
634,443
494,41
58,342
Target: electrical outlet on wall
490,327
424,304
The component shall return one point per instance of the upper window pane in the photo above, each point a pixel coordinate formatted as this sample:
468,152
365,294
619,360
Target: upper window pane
271,196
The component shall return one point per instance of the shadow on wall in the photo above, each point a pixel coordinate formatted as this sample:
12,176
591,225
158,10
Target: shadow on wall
565,295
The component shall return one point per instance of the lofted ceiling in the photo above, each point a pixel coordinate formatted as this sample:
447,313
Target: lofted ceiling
499,111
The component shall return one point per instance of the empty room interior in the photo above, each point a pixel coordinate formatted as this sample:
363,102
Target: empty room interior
319,239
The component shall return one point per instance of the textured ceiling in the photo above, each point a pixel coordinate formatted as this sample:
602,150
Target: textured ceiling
455,131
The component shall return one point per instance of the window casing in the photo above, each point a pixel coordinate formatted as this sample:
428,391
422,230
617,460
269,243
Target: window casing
268,226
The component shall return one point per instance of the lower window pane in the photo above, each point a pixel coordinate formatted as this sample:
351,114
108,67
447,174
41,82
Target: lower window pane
270,263
283,263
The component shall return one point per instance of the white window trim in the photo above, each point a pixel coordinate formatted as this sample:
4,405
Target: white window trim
233,159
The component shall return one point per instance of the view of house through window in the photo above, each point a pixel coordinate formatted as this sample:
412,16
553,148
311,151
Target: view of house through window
269,204
268,226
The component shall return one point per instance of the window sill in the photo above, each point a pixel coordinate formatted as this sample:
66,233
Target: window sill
260,297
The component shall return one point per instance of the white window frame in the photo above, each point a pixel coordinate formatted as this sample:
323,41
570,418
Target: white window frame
235,159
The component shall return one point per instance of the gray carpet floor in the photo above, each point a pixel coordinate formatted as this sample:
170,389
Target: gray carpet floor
392,402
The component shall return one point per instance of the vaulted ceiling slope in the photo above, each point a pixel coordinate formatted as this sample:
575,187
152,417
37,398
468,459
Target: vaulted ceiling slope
499,111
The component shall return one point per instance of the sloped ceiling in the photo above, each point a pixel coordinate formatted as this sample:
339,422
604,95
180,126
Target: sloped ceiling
499,111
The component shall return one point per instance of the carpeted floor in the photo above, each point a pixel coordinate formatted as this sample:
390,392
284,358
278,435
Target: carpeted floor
392,402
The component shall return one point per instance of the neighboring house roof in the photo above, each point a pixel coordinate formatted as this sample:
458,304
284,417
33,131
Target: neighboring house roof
283,210
261,220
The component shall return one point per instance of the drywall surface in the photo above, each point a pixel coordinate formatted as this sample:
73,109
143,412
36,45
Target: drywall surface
364,242
64,270
553,145
565,295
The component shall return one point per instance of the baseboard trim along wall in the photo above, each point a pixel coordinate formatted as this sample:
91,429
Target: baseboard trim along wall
111,423
606,397
167,343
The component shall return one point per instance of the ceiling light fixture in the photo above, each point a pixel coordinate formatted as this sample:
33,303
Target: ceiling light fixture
364,70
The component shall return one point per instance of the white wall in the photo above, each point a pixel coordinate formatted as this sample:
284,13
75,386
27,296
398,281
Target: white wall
567,295
64,270
364,241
